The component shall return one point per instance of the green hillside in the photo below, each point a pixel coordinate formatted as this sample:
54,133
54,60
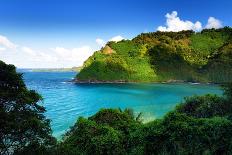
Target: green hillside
205,56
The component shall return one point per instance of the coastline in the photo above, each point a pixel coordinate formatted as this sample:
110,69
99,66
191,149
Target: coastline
137,82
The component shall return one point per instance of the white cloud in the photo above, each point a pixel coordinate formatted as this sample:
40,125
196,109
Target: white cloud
24,56
2,48
5,42
44,57
213,23
175,24
100,42
74,56
28,51
197,26
54,57
116,38
35,55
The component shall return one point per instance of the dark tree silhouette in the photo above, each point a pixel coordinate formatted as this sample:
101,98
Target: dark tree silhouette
23,125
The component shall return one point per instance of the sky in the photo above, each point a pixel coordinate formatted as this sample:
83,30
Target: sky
64,33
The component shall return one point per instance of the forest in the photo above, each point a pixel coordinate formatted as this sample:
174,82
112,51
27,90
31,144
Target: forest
185,56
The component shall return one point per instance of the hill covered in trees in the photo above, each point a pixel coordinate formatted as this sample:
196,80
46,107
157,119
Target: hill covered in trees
204,56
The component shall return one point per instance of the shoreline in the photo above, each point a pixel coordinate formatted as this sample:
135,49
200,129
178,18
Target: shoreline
140,82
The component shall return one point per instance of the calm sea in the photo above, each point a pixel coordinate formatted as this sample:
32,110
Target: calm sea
66,101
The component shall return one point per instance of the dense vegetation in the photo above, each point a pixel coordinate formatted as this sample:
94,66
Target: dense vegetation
23,127
204,56
199,125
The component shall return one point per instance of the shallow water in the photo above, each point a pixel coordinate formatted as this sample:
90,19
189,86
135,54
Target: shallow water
66,101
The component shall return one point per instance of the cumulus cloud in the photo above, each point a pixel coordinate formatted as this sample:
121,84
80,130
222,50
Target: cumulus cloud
47,58
100,42
24,56
35,55
175,24
5,42
116,38
213,23
75,55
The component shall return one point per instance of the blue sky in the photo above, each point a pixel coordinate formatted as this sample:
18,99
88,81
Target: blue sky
63,33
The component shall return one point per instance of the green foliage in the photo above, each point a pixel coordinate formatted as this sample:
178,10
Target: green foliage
93,138
154,37
207,42
228,91
23,125
182,134
170,62
104,133
129,62
199,125
205,106
219,67
164,56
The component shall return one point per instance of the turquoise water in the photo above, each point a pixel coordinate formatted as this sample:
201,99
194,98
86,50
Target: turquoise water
66,101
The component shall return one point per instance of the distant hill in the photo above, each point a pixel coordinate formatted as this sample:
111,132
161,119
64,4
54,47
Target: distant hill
204,56
73,69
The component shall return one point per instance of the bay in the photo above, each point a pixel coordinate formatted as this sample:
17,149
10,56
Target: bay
66,101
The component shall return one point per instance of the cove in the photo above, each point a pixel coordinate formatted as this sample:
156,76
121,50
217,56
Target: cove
66,101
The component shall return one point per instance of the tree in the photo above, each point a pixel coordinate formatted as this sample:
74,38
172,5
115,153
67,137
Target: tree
228,91
22,123
106,132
